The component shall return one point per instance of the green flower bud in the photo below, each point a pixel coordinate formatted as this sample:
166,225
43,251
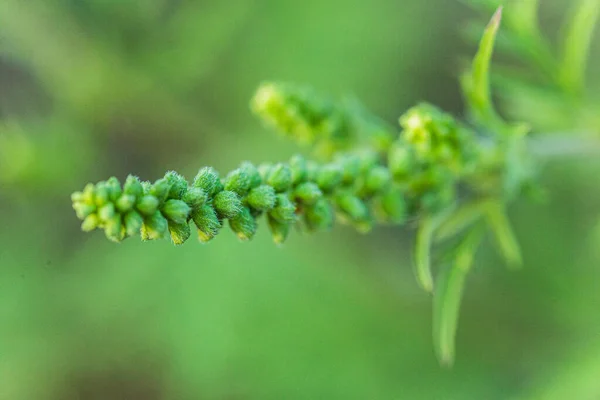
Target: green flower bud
195,197
352,207
298,168
147,205
133,186
280,177
179,232
253,174
101,194
279,230
329,176
106,212
83,210
377,180
307,193
125,202
243,224
261,198
176,210
312,169
178,185
208,180
113,229
77,197
88,194
264,170
238,181
133,223
284,210
319,216
227,204
401,162
90,223
391,206
154,227
367,160
160,189
114,188
350,164
207,222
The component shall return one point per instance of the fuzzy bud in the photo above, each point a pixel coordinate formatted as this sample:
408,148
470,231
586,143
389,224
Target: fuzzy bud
377,180
298,167
195,197
90,223
261,198
243,224
101,194
279,230
179,232
178,185
227,204
114,188
280,177
147,205
307,193
125,203
133,223
207,222
160,190
319,216
113,228
208,180
237,181
106,212
284,210
176,211
329,176
133,187
154,227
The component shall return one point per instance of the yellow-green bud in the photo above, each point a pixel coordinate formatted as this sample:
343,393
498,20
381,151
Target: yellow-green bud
243,224
207,222
179,232
133,186
125,202
154,227
133,222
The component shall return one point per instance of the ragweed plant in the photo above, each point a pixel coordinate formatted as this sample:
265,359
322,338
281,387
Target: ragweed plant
451,180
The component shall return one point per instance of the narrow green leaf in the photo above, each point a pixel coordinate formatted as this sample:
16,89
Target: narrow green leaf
575,44
448,295
422,254
503,234
476,82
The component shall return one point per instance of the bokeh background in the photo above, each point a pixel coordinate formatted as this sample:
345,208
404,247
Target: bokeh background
95,88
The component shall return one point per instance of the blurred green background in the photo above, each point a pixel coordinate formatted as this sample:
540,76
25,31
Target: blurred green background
95,88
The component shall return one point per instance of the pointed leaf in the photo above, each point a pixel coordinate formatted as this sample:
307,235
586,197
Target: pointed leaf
448,295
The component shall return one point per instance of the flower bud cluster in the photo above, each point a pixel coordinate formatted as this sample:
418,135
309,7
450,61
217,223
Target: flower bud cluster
356,188
433,153
303,116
